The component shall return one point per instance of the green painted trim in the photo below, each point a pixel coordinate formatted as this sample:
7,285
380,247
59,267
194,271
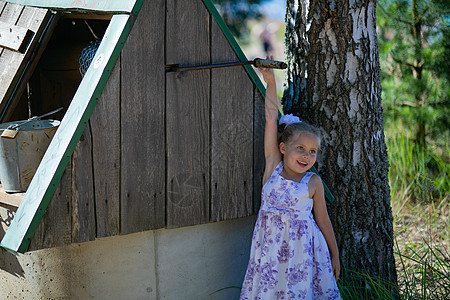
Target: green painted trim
251,72
110,6
53,164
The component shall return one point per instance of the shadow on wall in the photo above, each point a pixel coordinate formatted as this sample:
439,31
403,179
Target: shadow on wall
8,262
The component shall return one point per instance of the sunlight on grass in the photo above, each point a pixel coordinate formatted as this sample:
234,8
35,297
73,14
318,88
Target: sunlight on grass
419,181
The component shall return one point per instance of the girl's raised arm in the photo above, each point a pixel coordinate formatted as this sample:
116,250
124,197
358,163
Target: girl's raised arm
271,150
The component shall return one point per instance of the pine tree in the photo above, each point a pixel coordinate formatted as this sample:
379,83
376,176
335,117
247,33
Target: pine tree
414,51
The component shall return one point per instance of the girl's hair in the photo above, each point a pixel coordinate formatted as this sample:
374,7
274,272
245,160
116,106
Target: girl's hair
296,128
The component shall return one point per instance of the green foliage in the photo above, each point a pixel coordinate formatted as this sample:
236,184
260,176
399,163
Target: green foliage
414,38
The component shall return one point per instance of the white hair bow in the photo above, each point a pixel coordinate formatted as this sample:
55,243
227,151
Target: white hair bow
289,119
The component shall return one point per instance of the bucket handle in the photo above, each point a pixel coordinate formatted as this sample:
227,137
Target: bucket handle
16,126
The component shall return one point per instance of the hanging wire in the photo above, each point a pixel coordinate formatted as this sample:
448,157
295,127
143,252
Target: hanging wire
91,30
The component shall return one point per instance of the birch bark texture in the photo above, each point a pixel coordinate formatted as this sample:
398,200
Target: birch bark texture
334,83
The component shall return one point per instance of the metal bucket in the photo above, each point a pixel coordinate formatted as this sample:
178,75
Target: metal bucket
20,156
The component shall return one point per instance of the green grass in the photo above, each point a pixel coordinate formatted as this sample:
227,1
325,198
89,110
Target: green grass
418,175
420,189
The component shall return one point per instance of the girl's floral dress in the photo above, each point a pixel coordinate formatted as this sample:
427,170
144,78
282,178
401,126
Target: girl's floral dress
289,256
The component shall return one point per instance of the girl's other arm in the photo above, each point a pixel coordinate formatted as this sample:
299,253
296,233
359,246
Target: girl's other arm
323,221
271,150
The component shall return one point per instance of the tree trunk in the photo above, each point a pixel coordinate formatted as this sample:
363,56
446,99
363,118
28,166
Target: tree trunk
417,67
334,83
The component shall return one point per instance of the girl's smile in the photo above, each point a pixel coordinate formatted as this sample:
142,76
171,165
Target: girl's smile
299,155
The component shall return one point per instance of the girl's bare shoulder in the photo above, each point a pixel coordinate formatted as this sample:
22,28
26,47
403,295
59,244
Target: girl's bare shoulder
315,184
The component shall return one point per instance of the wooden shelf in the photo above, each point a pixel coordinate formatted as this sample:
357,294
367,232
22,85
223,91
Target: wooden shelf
10,199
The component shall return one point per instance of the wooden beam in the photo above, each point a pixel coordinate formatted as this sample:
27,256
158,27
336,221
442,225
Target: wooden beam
85,16
122,6
14,37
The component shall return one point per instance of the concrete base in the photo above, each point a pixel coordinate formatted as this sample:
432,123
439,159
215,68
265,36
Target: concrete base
187,263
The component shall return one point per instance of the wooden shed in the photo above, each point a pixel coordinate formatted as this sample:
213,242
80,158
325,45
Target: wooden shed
139,147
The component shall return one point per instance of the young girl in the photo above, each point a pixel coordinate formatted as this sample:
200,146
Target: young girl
290,252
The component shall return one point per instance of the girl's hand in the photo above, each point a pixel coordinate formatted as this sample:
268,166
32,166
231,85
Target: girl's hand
336,266
267,73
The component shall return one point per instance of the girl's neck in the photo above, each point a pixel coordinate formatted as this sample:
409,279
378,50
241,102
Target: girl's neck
286,174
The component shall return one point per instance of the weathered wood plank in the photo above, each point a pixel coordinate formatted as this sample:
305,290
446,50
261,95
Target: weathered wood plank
2,5
60,93
83,202
13,199
55,228
13,37
188,115
258,148
105,126
34,19
142,122
10,14
187,35
232,134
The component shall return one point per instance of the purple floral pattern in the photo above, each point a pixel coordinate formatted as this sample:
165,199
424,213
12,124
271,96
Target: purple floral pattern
285,253
289,257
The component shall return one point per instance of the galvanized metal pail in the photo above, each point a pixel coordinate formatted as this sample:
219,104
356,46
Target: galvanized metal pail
20,156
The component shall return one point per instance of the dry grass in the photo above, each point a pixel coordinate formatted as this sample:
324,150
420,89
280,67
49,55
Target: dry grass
422,232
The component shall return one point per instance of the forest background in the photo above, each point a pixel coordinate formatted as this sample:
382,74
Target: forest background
414,50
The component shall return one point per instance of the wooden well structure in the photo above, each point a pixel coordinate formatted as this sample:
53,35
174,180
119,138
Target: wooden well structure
139,147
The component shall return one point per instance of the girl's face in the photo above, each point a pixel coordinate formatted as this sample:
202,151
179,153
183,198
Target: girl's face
300,152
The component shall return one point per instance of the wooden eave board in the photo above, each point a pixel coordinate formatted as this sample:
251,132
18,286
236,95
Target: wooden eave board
49,172
13,63
107,6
